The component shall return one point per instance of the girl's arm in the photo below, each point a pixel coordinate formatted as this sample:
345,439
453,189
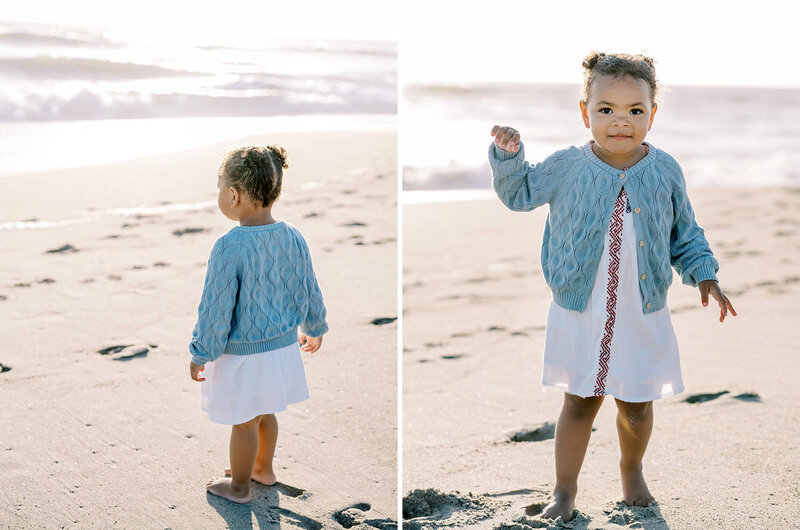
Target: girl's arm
215,311
690,253
315,324
521,186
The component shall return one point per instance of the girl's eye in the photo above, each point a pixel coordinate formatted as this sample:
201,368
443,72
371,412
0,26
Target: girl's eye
604,109
636,112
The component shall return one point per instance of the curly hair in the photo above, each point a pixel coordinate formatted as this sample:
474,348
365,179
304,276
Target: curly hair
257,171
618,65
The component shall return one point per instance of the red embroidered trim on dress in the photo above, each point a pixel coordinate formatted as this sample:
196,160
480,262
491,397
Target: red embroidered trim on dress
615,231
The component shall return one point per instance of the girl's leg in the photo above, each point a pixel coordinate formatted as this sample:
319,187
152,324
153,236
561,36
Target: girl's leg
634,424
243,449
573,429
267,440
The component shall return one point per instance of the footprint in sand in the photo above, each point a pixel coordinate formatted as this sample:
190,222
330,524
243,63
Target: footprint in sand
382,321
352,515
636,516
65,248
312,214
452,356
538,433
431,506
22,284
161,264
191,230
4,368
3,297
354,224
751,397
702,398
126,352
46,281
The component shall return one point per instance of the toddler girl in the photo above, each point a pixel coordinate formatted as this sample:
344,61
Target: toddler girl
259,288
619,216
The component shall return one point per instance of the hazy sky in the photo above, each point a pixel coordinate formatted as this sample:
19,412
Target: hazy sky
692,41
197,20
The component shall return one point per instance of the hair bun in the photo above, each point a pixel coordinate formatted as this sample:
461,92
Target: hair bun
278,155
592,58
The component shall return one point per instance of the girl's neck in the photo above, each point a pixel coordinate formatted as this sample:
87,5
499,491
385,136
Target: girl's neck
258,217
623,163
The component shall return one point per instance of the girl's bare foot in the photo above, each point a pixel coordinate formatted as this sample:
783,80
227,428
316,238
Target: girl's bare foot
634,488
259,475
562,505
223,487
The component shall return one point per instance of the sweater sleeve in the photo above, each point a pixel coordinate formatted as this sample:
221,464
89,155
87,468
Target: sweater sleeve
217,302
314,324
520,185
690,253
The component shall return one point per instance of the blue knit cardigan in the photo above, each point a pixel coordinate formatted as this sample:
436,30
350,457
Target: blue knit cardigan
259,287
581,190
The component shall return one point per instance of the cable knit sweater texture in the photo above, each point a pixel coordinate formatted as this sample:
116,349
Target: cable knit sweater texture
581,190
259,288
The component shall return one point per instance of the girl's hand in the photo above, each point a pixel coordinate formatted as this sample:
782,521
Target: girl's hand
194,371
712,286
310,344
506,138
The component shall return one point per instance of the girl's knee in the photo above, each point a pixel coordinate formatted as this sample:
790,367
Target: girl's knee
249,424
634,412
579,406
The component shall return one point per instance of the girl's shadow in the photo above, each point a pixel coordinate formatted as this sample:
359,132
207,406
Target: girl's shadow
265,506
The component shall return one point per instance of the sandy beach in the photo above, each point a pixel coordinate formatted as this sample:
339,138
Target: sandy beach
478,426
100,423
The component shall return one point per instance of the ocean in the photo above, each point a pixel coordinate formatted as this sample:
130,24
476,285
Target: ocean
76,96
721,136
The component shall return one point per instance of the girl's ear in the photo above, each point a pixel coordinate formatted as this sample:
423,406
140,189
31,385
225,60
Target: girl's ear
652,115
584,114
235,197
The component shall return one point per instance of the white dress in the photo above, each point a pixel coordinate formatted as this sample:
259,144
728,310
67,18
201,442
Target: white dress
612,347
240,387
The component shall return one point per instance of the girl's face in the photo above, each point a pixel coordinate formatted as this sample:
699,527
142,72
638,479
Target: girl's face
226,199
619,113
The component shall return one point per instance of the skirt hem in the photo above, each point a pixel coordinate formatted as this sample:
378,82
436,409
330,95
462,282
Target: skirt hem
626,399
223,421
